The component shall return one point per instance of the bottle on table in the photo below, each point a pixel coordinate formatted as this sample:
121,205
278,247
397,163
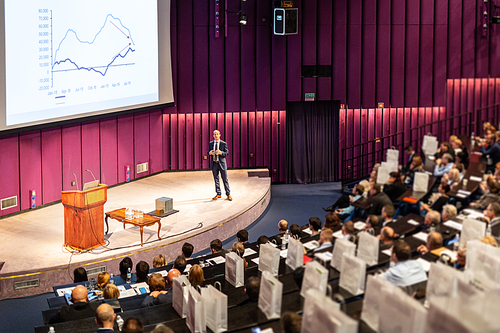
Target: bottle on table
119,322
129,275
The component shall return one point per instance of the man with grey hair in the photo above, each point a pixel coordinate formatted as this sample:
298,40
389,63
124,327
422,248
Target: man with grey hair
105,317
431,218
492,214
434,241
449,213
443,165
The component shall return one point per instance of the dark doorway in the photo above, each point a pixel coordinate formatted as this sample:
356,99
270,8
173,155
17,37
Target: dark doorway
312,141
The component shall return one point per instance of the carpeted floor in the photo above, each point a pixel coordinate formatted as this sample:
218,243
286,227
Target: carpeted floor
294,203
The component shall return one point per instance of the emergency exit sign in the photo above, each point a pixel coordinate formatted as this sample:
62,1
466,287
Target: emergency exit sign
309,97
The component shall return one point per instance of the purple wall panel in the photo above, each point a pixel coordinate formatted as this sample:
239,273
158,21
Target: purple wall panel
71,157
267,140
368,73
355,12
468,37
125,147
9,177
155,142
282,146
173,46
369,12
293,68
383,78
166,141
200,10
30,169
349,126
324,36
51,165
174,139
455,39
189,148
228,137
406,128
236,151
263,63
274,146
221,125
412,55
455,107
384,10
244,139
248,70
397,65
214,126
482,44
364,125
259,138
278,72
185,57
198,142
206,137
200,65
354,66
426,61
181,141
398,12
252,153
427,14
484,92
233,74
141,141
440,36
413,12
356,135
216,71
90,151
463,97
109,151
339,80
494,51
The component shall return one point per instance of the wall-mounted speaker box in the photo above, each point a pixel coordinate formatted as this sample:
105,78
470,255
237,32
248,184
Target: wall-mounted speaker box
286,21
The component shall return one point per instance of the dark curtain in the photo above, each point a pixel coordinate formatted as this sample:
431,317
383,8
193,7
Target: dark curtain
312,141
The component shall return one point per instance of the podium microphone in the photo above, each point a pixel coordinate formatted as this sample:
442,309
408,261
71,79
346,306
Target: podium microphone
76,181
91,173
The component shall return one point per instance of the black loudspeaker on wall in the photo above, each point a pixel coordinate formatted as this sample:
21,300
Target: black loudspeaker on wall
286,21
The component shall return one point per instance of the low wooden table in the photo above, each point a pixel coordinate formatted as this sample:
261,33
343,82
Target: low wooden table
145,221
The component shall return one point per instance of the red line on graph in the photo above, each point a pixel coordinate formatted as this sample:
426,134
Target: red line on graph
118,29
121,51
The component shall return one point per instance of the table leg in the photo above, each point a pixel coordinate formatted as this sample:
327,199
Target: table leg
107,225
159,227
141,235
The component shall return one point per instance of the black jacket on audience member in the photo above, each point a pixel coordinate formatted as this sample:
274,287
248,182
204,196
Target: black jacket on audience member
393,191
379,200
75,311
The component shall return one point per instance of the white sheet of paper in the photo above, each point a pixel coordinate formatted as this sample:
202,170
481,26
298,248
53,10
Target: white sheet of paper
460,195
453,255
338,234
359,225
62,291
188,267
283,253
421,236
218,260
453,224
387,252
323,256
412,221
248,252
463,192
311,245
256,260
475,179
425,264
307,231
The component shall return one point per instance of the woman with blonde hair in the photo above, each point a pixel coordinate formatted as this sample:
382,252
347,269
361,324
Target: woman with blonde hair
102,280
452,178
111,291
239,249
159,261
196,276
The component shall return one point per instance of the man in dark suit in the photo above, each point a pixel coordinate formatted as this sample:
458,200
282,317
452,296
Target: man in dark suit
80,309
379,200
218,150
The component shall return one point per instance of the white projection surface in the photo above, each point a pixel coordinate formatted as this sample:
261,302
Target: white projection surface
69,59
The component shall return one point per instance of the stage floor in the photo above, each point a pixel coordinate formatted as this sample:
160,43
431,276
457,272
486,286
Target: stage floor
32,242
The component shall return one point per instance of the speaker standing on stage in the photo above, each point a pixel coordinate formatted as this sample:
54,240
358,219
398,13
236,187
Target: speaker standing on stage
218,151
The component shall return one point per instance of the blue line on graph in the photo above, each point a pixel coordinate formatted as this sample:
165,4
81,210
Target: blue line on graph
93,40
60,97
92,68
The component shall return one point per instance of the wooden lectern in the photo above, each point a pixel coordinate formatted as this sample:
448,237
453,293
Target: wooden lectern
84,217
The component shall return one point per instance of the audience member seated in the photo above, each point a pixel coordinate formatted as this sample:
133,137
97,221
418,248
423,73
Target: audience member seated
158,294
196,276
386,238
105,317
436,202
372,225
348,231
415,166
452,178
314,224
125,264
379,200
80,275
242,236
462,251
405,272
159,261
432,218
434,242
132,325
282,226
387,216
448,213
187,250
239,249
346,199
252,288
111,291
216,246
172,274
445,148
492,214
394,187
81,308
262,240
411,154
332,221
180,264
491,195
296,231
344,212
291,322
457,145
443,165
325,239
462,159
161,328
142,271
103,280
491,151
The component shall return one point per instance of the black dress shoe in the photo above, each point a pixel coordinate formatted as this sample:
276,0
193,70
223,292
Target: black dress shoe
329,209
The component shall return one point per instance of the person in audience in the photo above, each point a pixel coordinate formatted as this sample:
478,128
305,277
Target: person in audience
142,271
449,212
372,225
462,251
180,264
405,272
105,317
456,144
172,274
332,221
132,325
462,158
262,240
491,150
444,148
158,294
434,242
452,178
431,218
159,261
161,328
348,197
216,246
196,276
111,291
314,224
394,187
80,275
415,166
242,236
344,213
239,249
379,200
443,165
325,239
291,322
491,195
348,231
439,201
387,216
492,215
81,307
489,240
411,153
296,231
187,250
374,172
252,288
125,264
282,226
386,238
102,280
